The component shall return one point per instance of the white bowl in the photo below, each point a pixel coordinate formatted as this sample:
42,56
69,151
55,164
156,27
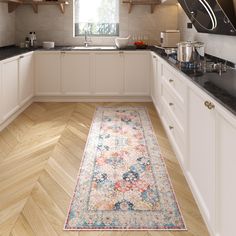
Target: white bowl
48,45
122,42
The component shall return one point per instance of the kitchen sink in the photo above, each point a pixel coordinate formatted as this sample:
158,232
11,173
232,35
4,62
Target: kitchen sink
90,48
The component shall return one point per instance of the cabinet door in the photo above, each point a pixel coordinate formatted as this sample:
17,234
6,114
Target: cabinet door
137,73
153,77
201,156
9,87
156,82
226,175
1,98
26,78
108,74
47,73
76,73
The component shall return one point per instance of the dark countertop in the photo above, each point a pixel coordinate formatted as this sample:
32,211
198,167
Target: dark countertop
11,51
221,88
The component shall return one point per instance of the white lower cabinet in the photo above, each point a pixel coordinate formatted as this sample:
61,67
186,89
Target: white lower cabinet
108,73
156,81
47,73
26,78
76,73
202,133
226,174
201,152
137,73
9,87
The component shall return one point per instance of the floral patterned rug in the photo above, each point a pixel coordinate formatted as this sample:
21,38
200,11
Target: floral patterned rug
123,183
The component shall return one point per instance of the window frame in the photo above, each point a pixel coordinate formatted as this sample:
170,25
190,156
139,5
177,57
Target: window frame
76,29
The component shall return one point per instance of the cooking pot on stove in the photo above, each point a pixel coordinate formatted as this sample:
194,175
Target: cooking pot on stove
190,51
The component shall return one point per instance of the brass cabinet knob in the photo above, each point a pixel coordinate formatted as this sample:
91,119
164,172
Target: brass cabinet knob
206,103
209,105
171,127
171,104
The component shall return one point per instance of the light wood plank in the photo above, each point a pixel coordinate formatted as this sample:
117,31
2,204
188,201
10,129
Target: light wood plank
40,156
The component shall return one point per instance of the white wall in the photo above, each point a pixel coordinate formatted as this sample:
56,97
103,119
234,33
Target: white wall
50,24
7,26
218,45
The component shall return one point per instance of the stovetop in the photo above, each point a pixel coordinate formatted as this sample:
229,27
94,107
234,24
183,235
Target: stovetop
225,80
222,87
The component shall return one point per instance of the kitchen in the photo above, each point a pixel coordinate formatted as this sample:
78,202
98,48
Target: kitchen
49,98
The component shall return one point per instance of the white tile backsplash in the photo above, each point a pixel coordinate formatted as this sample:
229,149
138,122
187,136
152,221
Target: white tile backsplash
7,26
50,24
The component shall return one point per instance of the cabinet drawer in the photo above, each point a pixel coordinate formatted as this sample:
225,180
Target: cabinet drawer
176,134
176,108
174,82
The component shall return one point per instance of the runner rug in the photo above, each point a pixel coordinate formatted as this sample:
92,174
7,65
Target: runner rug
123,182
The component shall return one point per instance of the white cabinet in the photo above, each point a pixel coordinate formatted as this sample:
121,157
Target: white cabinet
1,99
173,105
105,73
9,87
47,73
201,155
137,73
108,73
226,174
76,73
156,81
26,78
153,89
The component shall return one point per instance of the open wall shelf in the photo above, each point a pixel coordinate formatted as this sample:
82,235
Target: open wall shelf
151,3
13,4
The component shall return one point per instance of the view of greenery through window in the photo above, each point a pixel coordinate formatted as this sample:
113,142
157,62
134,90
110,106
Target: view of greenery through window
97,17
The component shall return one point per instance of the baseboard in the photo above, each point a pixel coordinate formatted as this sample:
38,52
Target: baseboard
73,99
92,99
15,114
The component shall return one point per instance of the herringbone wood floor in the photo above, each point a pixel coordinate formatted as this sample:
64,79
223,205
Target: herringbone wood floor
40,154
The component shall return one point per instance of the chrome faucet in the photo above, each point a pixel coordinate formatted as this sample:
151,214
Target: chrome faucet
87,41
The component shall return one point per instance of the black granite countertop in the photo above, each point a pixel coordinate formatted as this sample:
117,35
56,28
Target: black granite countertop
11,51
221,88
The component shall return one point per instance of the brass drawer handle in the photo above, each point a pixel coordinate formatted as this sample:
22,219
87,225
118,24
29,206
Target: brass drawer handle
171,127
171,80
171,104
154,57
206,103
209,105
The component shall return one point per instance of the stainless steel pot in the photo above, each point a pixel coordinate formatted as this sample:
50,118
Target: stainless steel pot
190,51
185,52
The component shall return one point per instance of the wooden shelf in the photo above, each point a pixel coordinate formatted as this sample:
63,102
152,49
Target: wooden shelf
151,3
13,4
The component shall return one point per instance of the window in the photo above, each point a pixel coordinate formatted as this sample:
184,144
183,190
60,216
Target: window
97,17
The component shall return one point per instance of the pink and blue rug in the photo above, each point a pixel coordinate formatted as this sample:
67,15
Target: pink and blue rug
123,182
